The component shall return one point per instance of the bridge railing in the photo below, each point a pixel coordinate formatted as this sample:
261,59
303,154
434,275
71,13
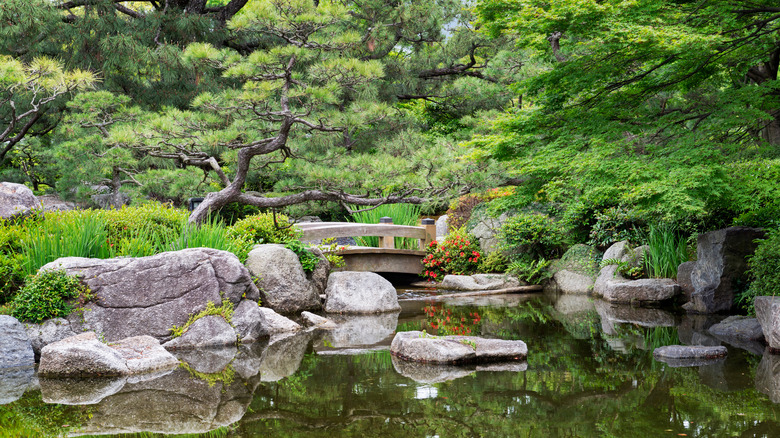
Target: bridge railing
386,232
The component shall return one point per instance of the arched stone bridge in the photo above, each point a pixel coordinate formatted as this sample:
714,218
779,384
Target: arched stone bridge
386,258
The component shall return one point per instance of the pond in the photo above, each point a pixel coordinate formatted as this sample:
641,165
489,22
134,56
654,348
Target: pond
589,372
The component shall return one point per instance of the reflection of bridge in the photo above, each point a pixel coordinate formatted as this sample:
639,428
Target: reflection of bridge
386,258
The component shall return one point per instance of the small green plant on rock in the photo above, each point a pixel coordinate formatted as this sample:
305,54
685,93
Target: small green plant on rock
47,295
225,310
307,258
529,270
628,269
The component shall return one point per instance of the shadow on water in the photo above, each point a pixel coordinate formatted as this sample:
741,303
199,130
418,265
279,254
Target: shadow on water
589,372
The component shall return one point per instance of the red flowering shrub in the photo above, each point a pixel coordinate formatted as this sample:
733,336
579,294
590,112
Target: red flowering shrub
458,254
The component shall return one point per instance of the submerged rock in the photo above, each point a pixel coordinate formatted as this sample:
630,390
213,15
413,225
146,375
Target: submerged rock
15,345
149,295
360,293
421,347
721,266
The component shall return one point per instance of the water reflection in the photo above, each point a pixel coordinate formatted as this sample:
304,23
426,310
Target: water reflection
579,380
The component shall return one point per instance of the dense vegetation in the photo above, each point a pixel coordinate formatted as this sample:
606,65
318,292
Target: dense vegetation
608,119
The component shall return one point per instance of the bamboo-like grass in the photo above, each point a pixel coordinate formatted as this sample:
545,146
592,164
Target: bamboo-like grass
402,214
667,250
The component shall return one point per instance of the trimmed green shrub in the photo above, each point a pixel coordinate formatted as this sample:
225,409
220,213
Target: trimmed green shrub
764,271
260,228
46,295
535,234
493,262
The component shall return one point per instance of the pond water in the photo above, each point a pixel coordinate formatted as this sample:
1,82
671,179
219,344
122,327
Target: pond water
589,372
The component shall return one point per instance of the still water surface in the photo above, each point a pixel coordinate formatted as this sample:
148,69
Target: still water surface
590,372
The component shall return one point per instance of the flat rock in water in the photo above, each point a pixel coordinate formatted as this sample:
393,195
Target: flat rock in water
478,282
317,321
738,327
646,290
768,315
15,344
276,323
209,331
421,347
360,293
689,355
144,354
81,355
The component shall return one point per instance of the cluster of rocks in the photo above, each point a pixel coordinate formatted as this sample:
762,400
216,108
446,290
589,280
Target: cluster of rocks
138,302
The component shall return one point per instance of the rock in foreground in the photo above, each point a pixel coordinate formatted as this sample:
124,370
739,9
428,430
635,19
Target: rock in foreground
15,347
85,356
422,347
285,287
149,295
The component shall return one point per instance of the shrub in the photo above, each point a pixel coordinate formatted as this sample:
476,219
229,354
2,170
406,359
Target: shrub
46,295
260,228
763,217
530,270
402,214
307,258
764,271
461,209
142,230
11,275
457,254
615,224
494,262
535,234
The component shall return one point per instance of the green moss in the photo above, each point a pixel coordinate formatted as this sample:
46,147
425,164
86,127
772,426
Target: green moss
225,311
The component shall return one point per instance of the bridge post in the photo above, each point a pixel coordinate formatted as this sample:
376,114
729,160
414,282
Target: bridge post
430,233
387,242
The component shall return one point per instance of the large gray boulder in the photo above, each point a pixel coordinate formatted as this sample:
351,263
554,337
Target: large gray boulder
51,330
479,282
15,345
81,355
208,331
284,285
149,295
576,271
617,251
360,293
721,266
420,347
16,200
768,315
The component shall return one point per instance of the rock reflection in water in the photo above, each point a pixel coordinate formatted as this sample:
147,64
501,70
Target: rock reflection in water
436,373
361,330
14,382
768,376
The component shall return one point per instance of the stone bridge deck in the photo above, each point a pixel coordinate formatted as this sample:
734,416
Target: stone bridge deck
386,258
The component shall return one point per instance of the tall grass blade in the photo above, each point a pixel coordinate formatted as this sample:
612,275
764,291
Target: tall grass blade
402,214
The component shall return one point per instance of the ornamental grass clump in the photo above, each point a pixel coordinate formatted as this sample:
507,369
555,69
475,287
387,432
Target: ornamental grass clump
457,254
667,250
402,214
